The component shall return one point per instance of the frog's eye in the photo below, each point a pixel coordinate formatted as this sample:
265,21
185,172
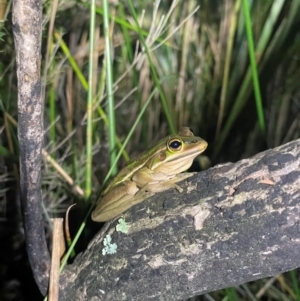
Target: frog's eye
175,145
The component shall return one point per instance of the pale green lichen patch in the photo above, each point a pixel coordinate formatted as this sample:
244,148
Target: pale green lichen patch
109,248
122,226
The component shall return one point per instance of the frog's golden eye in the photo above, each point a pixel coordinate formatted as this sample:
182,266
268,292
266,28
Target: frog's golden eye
175,145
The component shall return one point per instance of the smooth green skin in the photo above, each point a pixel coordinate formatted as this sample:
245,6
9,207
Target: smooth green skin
155,170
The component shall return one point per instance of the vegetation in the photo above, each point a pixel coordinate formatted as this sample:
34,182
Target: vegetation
228,69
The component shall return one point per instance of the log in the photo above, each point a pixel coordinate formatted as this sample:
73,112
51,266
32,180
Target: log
234,223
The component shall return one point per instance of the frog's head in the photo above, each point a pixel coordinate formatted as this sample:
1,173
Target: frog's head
177,152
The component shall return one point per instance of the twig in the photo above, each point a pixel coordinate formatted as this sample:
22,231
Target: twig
57,249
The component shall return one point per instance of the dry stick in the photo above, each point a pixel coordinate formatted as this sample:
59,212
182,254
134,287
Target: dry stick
63,173
27,27
58,249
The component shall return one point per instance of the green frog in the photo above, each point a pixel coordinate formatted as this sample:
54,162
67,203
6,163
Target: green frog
155,170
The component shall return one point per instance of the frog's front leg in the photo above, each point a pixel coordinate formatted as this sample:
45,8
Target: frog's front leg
115,201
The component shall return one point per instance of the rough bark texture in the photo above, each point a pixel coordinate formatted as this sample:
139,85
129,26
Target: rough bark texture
234,223
27,27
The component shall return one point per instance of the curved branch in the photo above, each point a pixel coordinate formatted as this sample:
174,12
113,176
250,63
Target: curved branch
27,27
234,223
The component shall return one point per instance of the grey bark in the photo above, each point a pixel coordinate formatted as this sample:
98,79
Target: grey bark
27,28
234,223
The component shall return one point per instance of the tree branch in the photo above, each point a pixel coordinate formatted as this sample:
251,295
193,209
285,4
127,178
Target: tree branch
234,223
27,27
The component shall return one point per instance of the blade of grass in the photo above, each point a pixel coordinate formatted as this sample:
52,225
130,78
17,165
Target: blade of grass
71,60
293,275
89,128
109,87
258,100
